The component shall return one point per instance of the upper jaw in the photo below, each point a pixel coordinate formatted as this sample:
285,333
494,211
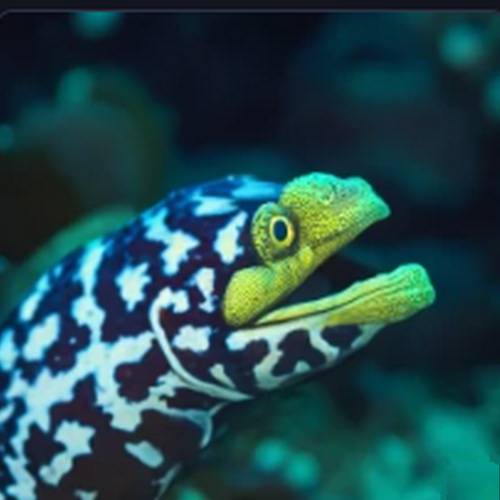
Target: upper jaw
339,222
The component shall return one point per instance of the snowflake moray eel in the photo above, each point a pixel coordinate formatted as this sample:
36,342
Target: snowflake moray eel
114,366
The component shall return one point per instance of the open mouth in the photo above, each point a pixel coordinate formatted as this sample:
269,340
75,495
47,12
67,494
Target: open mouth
294,287
358,297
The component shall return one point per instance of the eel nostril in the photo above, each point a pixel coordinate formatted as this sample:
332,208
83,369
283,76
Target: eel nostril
347,191
344,193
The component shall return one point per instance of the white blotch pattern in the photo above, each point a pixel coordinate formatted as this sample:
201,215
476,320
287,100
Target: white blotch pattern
85,495
124,414
177,300
146,453
204,279
367,333
91,260
213,205
87,313
29,306
154,221
193,338
8,350
178,243
131,282
226,242
274,335
219,373
6,412
164,482
257,190
41,337
76,439
101,360
85,309
177,252
48,389
24,484
302,367
330,351
195,383
56,271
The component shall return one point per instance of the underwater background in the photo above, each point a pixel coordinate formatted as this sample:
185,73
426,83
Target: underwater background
103,113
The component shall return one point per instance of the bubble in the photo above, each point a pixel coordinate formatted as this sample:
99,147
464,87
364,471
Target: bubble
271,454
96,25
302,470
462,46
189,493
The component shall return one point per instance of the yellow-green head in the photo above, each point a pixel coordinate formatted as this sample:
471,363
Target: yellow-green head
264,246
315,216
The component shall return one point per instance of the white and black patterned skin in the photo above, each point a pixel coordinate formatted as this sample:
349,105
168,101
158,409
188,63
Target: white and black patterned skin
114,366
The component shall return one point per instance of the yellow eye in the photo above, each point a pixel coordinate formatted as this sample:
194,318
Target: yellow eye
282,231
273,232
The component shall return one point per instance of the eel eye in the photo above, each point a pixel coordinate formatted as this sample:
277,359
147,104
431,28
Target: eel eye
274,232
282,231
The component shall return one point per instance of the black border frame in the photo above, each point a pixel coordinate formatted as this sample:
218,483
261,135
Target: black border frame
9,6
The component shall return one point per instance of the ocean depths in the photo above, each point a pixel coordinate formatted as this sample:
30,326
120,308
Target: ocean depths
104,113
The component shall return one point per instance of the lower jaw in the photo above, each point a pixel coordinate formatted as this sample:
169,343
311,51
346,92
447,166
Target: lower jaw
381,299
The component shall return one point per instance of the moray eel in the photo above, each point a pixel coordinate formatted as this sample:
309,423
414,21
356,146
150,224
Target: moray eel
115,366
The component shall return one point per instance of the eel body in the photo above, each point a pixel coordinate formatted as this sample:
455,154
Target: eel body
115,365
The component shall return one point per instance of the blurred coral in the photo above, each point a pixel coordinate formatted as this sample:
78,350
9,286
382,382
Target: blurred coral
95,25
103,140
35,201
103,125
414,444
